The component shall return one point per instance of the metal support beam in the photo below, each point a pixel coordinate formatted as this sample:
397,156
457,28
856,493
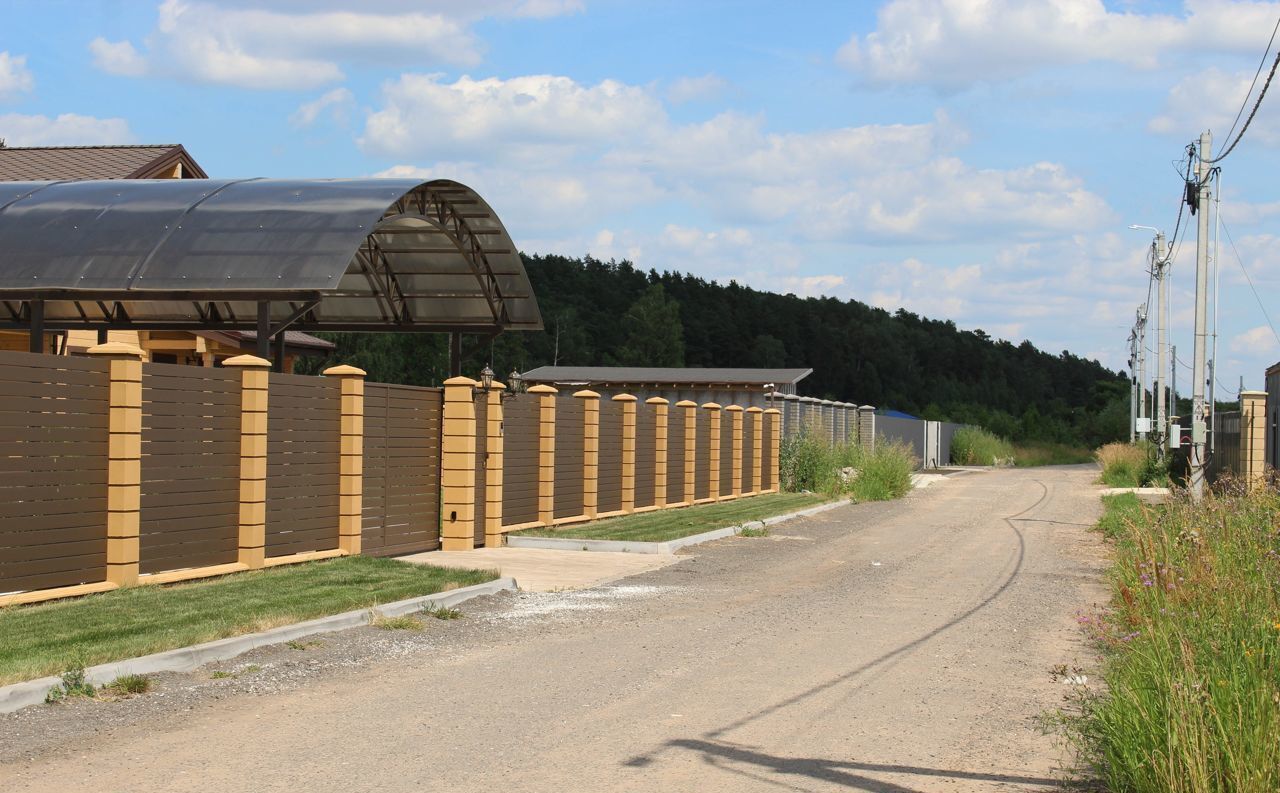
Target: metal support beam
102,335
264,329
37,325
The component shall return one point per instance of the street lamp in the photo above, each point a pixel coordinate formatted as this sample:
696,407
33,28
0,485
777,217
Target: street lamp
515,382
1160,269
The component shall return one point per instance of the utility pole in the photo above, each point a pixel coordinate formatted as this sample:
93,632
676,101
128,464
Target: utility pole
1142,371
1133,384
1162,341
1173,378
1198,367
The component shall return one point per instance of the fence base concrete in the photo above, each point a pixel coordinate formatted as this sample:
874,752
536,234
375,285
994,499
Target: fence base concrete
20,695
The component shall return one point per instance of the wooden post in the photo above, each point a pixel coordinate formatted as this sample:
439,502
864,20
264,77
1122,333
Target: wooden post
713,453
493,536
124,459
660,408
254,375
458,465
546,452
775,449
735,450
628,451
757,446
690,409
590,452
351,467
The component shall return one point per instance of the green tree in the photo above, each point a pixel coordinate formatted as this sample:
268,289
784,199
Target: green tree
655,335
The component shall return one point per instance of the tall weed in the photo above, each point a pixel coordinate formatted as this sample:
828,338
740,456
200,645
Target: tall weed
811,462
976,446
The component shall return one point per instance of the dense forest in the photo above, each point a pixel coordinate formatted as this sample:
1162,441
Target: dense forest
610,313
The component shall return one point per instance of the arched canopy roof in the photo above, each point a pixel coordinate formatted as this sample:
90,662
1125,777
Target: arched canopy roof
340,254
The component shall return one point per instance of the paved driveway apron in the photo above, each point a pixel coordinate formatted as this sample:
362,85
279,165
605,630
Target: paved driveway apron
883,647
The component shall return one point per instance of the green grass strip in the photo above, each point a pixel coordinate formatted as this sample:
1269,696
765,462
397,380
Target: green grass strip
672,524
45,639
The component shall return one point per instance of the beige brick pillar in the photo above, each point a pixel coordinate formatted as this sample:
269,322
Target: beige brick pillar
546,452
590,451
757,446
735,449
690,409
493,536
867,427
124,459
351,466
713,453
1253,437
628,451
775,449
660,407
458,465
254,374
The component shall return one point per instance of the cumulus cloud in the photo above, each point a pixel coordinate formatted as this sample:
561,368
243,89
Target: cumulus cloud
1255,341
696,89
68,129
337,102
15,78
285,44
1209,100
955,43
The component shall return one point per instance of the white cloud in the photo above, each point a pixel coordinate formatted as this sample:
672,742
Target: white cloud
1255,341
1210,99
337,102
117,57
15,78
288,44
696,89
955,43
68,129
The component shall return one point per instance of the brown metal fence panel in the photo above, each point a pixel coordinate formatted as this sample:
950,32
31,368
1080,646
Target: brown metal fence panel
520,418
702,458
646,455
190,503
748,451
401,507
482,446
766,451
726,454
53,471
303,442
568,492
609,478
675,456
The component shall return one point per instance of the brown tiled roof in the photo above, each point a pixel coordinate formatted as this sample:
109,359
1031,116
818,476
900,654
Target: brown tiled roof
292,338
40,163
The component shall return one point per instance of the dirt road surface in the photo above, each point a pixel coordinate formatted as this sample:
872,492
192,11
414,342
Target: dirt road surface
895,647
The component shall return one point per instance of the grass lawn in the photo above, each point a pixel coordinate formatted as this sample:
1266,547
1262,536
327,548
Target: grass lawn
671,524
48,638
1032,454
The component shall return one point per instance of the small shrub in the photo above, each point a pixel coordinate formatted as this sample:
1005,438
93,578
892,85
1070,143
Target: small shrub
73,684
402,623
809,462
442,612
1132,465
976,446
220,674
884,473
296,644
128,685
754,531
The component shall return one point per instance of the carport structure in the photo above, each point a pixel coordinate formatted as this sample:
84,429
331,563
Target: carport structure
384,255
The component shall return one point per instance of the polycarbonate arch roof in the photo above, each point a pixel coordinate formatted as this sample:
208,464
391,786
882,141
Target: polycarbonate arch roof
363,254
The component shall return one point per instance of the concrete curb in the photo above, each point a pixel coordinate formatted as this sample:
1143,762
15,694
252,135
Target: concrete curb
671,546
20,695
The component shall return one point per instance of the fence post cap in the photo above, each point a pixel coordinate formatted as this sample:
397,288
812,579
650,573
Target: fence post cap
624,398
1253,393
686,403
755,409
343,370
466,381
774,411
247,361
117,348
711,405
657,401
541,389
735,408
867,407
586,393
790,396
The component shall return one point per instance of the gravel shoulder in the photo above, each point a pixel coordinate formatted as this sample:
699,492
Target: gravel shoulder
884,647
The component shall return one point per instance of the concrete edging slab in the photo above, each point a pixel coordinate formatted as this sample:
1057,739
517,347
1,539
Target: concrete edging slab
670,546
32,692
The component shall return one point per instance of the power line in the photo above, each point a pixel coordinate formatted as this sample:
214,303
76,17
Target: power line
1223,154
1247,279
1261,62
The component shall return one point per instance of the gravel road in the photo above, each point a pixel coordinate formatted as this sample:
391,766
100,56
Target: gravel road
901,646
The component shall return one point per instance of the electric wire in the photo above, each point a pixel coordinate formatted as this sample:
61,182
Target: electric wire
1222,154
1249,280
1261,62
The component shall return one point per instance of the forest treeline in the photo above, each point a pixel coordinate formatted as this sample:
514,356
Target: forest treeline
610,313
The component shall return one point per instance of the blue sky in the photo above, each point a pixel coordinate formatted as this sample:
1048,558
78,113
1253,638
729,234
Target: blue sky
977,160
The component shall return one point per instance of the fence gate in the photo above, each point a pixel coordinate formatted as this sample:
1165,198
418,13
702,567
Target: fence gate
932,444
401,508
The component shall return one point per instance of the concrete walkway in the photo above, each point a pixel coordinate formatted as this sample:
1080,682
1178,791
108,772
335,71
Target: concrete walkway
540,570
